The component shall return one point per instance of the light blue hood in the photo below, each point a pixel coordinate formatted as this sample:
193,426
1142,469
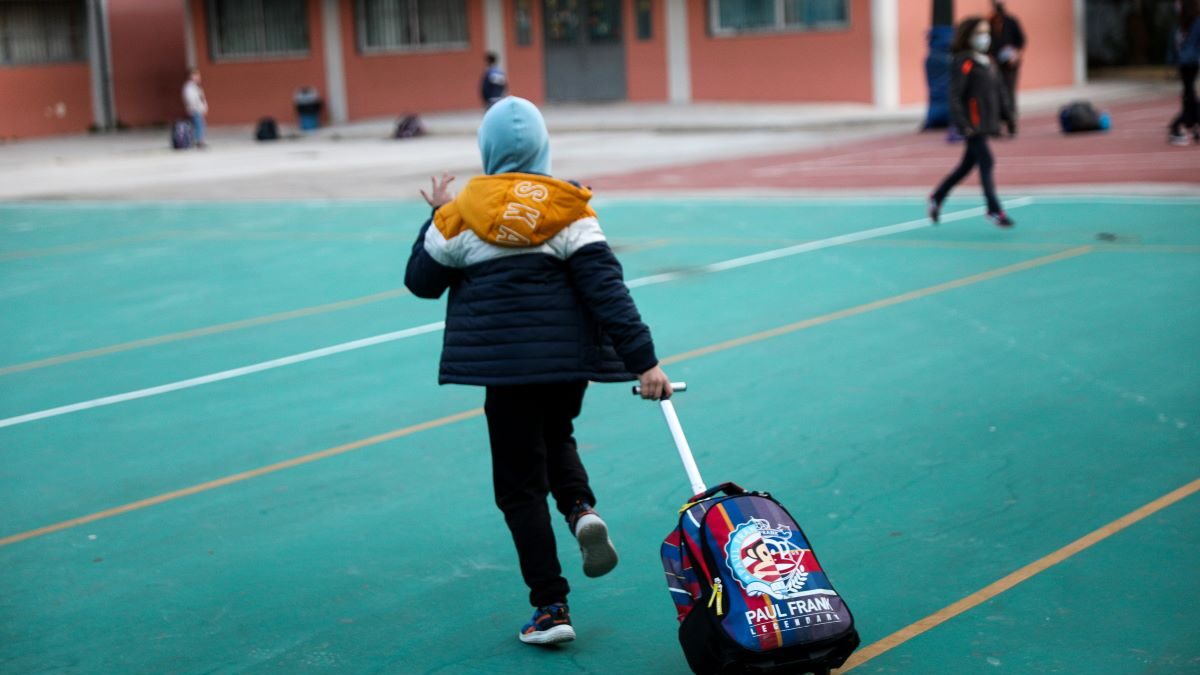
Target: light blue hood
513,138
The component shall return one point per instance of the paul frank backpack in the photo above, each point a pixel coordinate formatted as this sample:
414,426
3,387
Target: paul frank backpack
750,594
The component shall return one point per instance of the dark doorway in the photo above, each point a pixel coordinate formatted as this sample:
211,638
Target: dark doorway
585,50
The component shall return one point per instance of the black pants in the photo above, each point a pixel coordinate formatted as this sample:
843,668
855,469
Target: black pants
1009,111
534,455
1188,116
976,153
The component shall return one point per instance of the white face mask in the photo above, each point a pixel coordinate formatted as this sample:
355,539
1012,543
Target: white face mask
980,42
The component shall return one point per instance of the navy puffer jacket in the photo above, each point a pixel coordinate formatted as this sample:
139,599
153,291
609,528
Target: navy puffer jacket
532,299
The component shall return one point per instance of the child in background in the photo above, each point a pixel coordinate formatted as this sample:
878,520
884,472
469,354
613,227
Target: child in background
976,107
494,85
538,307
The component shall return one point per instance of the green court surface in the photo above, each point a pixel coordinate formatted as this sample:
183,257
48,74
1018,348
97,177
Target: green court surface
939,407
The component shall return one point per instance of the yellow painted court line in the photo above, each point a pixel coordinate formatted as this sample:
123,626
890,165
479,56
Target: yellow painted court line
245,475
1105,247
1032,569
75,248
880,304
468,414
207,330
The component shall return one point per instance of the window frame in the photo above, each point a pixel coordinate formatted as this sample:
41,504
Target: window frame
217,56
779,28
79,35
360,35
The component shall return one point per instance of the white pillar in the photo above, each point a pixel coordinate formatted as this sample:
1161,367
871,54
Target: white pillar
1080,16
885,53
679,68
335,69
189,35
493,29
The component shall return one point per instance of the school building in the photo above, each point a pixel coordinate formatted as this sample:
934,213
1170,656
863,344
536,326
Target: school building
70,65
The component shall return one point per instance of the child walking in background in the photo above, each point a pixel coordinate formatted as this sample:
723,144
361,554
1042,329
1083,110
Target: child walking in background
976,107
538,307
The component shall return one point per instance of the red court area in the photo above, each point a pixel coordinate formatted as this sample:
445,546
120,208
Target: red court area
1133,151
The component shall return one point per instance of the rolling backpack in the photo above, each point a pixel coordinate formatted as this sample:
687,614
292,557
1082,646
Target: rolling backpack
182,135
749,592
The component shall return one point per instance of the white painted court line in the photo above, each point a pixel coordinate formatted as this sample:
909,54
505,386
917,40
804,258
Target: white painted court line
439,325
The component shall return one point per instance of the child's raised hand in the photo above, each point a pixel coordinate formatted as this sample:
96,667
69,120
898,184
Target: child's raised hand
440,192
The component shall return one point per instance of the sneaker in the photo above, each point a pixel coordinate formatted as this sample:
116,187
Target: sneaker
934,209
550,625
1178,139
1000,219
599,556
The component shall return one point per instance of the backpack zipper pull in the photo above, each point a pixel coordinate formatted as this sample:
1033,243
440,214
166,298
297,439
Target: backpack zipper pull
716,597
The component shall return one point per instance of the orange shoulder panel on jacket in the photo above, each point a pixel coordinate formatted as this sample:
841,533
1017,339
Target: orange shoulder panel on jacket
448,220
967,66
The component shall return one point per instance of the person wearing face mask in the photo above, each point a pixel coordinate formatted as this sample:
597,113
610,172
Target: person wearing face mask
1008,46
977,104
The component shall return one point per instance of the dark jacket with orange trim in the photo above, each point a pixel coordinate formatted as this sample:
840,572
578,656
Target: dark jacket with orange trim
536,294
977,97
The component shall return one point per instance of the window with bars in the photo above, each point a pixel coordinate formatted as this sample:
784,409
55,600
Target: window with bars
746,16
252,29
400,25
36,32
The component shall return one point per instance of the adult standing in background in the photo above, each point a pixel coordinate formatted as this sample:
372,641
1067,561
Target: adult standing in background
196,104
1008,47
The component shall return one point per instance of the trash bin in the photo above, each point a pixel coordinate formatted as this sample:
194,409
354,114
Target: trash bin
308,108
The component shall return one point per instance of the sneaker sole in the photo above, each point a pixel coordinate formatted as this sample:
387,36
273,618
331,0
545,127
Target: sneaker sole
599,556
548,637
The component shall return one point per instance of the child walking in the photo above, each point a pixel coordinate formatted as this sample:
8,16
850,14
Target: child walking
976,107
538,307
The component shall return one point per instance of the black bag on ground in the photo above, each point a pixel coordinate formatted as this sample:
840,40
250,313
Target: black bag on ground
409,126
267,130
1079,116
183,136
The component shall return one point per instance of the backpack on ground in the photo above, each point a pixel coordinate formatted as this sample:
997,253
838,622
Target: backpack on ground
749,592
409,126
267,130
1081,116
183,136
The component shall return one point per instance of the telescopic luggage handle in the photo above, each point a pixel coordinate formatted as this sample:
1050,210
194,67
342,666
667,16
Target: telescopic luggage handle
681,444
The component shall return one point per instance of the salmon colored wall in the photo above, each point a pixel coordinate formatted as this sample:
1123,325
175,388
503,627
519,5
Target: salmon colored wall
646,60
525,65
149,60
241,92
1049,31
832,65
32,96
416,81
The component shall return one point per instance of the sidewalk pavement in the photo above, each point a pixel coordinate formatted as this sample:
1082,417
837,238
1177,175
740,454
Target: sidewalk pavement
359,159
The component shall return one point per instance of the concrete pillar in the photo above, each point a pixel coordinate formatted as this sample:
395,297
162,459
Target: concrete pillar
1080,15
104,112
493,29
335,68
885,53
189,34
679,68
